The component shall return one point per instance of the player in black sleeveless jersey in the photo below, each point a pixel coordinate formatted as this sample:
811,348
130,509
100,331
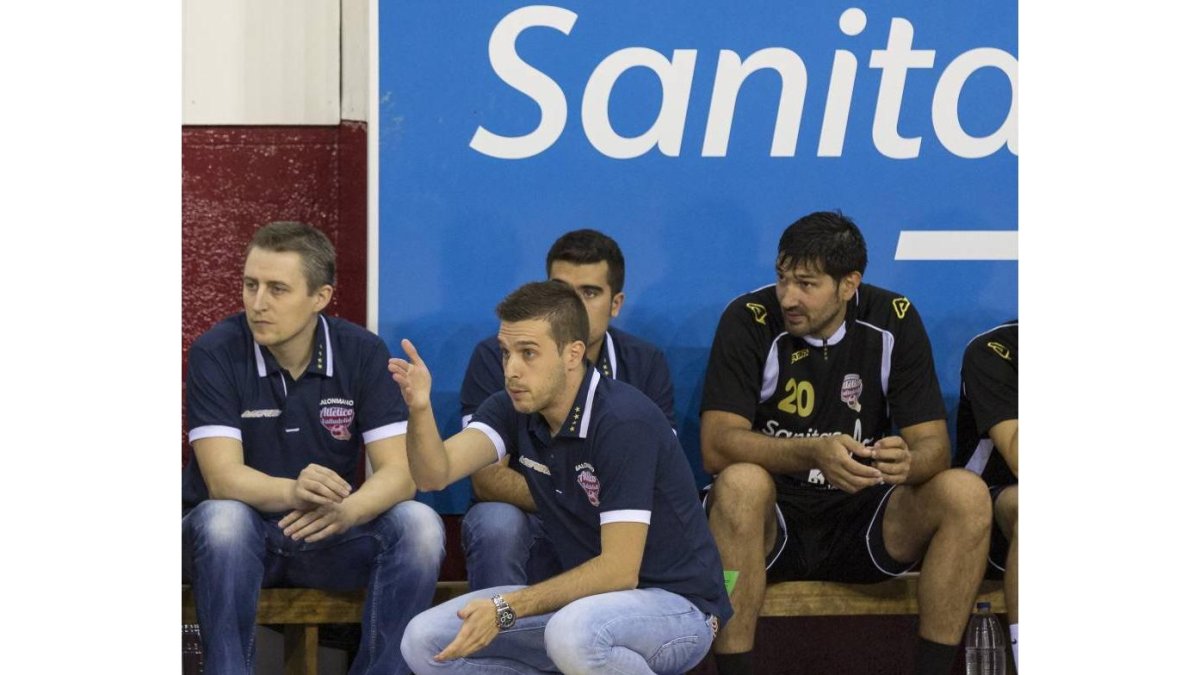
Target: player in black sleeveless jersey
806,381
987,445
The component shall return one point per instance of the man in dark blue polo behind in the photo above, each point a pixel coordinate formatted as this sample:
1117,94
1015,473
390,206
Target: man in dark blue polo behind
281,400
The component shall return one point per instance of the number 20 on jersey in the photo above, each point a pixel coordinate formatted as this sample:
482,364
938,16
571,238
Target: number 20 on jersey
800,398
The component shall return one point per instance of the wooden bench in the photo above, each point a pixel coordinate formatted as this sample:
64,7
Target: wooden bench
301,611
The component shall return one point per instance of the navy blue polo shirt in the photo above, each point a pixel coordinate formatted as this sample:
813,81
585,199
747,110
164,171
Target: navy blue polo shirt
345,398
624,357
615,459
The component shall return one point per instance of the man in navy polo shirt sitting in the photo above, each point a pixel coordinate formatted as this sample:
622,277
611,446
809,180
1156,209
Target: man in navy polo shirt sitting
502,533
281,399
643,589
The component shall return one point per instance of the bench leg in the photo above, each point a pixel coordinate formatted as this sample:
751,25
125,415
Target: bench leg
300,649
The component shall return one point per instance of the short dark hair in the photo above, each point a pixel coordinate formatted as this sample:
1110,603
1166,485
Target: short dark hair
316,251
586,247
553,301
825,240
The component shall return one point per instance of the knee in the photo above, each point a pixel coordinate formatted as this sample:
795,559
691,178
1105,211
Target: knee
491,522
421,641
574,642
963,497
742,492
221,524
416,528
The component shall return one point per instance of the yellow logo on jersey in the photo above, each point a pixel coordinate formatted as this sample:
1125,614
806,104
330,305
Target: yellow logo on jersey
901,306
796,356
1001,350
759,312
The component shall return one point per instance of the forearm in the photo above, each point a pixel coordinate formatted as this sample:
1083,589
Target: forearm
427,458
776,455
382,490
598,575
930,456
268,494
1006,439
498,483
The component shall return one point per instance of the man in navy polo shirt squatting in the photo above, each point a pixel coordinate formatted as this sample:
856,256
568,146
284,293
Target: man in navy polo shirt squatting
643,589
280,400
502,533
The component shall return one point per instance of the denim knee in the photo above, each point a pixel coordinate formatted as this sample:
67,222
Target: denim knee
423,638
220,524
575,640
417,528
492,524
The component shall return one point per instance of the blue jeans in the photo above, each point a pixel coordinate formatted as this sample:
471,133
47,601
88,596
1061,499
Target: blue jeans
506,546
647,630
230,550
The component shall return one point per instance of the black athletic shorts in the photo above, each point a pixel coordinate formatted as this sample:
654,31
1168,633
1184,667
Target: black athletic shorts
998,551
832,536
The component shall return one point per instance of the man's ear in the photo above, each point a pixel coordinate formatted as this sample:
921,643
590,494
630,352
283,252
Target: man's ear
322,297
617,301
848,286
573,353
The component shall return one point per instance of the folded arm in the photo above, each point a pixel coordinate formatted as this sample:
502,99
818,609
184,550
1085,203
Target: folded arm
726,438
227,476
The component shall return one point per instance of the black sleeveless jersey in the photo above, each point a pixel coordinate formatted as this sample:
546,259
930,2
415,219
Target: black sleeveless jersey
987,397
874,375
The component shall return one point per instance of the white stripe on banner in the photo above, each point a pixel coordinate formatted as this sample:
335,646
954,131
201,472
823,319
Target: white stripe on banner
957,245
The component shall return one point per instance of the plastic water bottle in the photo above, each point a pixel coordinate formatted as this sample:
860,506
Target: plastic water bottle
985,643
193,655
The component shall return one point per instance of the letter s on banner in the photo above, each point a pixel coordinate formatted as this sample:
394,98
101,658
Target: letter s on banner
502,52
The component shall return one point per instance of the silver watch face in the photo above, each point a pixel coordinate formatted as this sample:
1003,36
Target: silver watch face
505,616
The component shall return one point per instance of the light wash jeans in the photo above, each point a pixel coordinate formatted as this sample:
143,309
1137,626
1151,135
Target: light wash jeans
230,551
505,546
640,631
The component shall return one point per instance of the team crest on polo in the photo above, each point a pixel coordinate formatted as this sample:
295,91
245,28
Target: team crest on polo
852,388
336,419
591,486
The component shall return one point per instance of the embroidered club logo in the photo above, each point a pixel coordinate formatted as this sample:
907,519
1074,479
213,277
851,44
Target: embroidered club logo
901,306
337,420
852,388
759,312
591,486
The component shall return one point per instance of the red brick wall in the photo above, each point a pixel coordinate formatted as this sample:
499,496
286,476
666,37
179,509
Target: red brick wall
238,178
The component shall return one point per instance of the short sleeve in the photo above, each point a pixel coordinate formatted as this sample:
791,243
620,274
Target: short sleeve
484,377
213,405
735,365
990,382
498,420
626,470
914,395
382,412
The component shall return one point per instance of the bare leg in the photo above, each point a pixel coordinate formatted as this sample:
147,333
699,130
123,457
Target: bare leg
1006,518
742,520
948,519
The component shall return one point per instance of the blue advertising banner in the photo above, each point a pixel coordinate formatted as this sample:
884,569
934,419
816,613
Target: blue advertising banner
693,133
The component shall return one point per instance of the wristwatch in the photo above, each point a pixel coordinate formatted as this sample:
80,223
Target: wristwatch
505,616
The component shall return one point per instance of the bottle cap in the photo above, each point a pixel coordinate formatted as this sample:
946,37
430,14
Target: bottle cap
984,606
